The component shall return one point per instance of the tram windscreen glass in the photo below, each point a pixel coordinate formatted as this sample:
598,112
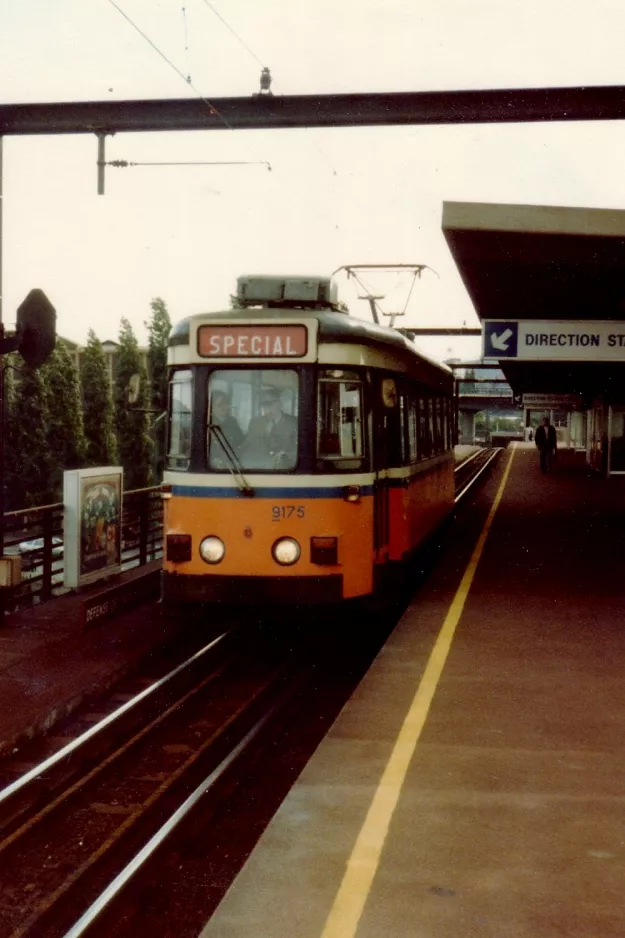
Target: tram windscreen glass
340,420
252,420
180,417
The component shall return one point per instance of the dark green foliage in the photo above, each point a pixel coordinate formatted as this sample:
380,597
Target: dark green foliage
11,460
28,459
135,446
159,327
66,437
99,420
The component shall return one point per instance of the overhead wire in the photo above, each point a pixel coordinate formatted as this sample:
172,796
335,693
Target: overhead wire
262,64
211,106
186,43
187,79
234,33
284,179
212,109
416,274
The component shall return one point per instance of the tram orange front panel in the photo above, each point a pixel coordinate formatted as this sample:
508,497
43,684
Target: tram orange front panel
250,526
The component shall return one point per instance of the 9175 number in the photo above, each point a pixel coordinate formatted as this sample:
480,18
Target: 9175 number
282,512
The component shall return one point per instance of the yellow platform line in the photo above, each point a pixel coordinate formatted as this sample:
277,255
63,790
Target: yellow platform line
364,860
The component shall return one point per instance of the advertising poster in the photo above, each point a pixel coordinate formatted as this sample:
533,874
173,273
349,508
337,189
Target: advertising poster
100,516
93,507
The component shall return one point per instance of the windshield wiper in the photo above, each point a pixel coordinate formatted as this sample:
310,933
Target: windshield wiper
235,467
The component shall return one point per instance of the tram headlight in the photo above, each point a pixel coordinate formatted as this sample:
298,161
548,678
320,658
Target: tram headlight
212,549
286,551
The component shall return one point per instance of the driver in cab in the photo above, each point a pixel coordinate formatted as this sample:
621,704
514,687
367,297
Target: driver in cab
222,422
275,431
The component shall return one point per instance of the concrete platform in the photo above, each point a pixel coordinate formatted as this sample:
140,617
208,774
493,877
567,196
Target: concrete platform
50,663
478,791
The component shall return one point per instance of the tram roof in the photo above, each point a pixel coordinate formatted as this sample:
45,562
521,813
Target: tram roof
541,262
334,326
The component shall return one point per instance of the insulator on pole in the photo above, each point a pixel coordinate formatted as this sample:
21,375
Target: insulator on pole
265,81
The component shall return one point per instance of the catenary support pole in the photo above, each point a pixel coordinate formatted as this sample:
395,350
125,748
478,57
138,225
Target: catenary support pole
101,163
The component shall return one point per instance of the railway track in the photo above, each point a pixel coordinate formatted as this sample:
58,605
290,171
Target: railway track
72,840
72,819
472,470
101,814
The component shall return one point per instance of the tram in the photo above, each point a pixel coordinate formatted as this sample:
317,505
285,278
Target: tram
309,452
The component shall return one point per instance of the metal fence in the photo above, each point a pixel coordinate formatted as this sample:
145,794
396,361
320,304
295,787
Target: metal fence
36,534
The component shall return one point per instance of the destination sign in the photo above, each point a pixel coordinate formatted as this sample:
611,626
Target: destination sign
554,340
468,388
252,341
555,401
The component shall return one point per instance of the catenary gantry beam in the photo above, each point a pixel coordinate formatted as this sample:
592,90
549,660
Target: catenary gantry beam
336,110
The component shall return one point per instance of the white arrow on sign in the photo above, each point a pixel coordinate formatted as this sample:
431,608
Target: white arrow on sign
500,342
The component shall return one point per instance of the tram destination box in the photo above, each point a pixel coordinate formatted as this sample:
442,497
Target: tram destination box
255,290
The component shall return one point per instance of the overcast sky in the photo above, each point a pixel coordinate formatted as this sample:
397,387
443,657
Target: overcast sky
333,197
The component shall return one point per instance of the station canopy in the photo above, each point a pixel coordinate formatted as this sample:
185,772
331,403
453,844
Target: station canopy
536,263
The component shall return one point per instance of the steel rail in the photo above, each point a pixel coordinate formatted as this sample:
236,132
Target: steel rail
118,883
495,453
470,458
39,770
505,105
147,811
40,914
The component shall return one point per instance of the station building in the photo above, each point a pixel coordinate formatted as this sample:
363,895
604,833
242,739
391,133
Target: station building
547,283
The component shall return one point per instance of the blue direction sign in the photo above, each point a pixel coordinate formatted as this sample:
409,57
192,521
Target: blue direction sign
500,339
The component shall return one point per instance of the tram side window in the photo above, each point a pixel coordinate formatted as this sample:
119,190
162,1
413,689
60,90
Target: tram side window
438,424
447,420
403,425
451,421
444,441
390,422
432,425
180,420
413,427
425,437
339,421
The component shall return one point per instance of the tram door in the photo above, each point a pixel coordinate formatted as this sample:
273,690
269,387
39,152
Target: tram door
386,418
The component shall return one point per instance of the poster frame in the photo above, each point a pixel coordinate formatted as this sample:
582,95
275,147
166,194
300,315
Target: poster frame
83,528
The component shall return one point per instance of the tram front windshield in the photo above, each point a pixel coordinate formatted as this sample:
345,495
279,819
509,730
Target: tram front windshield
253,419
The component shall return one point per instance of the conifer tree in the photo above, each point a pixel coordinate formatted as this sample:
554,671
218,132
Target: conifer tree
159,327
11,461
98,410
132,419
30,461
66,436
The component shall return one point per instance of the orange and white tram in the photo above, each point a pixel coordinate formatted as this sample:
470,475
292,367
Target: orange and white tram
308,451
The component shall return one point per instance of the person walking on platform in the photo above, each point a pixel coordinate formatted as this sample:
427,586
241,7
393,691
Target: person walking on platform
545,439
